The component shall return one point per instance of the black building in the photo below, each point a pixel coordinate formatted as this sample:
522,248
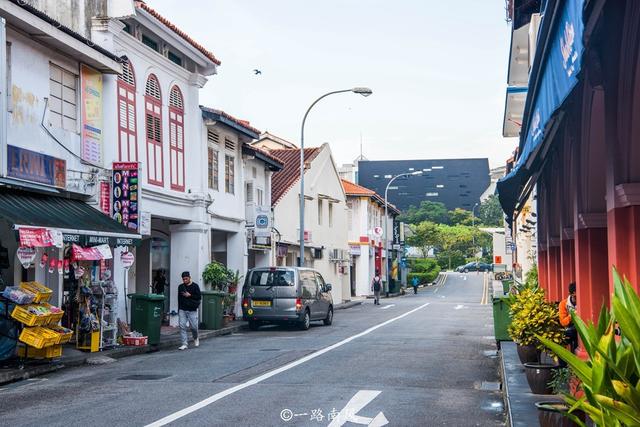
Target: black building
458,183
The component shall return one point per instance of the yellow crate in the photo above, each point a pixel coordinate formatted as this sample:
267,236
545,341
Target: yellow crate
41,292
53,317
22,315
38,337
64,334
35,353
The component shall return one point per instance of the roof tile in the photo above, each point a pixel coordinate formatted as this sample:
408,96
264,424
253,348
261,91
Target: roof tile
282,181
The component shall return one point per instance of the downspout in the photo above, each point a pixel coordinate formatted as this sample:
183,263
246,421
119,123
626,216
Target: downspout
3,97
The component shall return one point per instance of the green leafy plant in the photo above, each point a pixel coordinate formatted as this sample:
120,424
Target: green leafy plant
425,269
532,277
610,377
533,317
216,275
560,379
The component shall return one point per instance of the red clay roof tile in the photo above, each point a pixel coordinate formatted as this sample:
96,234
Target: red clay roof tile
282,181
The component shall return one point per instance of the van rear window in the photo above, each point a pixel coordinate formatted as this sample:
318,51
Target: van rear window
272,278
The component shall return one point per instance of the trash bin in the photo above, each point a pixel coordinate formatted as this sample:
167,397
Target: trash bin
212,308
506,285
501,318
146,315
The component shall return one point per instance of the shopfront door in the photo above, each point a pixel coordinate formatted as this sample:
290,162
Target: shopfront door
160,262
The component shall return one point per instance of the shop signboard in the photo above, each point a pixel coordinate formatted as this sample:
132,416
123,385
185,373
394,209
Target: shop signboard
36,167
355,250
90,239
105,197
39,237
262,221
26,255
93,253
126,194
396,232
91,85
126,258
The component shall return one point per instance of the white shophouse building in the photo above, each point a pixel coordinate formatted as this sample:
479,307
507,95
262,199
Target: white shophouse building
367,249
326,248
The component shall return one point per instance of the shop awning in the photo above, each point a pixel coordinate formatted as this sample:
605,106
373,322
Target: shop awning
559,62
78,222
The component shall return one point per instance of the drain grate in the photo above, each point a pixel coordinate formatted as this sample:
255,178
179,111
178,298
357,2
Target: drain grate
143,377
489,386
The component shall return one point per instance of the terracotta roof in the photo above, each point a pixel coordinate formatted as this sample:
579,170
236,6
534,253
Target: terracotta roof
282,181
243,124
142,5
274,163
351,189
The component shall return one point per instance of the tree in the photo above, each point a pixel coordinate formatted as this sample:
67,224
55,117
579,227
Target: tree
428,211
490,212
425,237
456,241
460,216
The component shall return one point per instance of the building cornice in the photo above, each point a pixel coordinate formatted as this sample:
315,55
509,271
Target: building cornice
163,196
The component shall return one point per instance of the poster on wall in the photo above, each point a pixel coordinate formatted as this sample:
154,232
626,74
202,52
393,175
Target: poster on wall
91,101
126,194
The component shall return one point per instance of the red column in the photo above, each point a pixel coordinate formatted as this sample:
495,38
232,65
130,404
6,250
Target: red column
553,257
624,243
543,270
567,266
592,271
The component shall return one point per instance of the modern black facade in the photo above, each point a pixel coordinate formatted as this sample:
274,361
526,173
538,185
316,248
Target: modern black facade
458,183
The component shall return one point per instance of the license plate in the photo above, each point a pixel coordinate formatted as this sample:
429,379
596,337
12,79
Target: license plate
261,303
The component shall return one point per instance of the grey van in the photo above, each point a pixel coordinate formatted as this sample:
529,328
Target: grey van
286,295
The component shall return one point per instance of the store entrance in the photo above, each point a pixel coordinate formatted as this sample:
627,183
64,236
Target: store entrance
160,262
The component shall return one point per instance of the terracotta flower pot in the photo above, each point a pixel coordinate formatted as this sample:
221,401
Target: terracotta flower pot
528,353
538,376
552,414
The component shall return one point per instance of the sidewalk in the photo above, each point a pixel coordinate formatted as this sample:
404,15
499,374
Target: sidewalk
169,339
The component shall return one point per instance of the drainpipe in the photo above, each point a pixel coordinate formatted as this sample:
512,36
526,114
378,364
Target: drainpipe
3,98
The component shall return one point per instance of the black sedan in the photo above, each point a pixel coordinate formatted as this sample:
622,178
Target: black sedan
474,266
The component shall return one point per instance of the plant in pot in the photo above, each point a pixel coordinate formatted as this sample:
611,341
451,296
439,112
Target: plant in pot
555,414
229,302
216,276
610,376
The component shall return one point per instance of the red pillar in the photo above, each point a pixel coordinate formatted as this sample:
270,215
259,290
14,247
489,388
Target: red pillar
543,270
567,266
592,271
554,273
624,243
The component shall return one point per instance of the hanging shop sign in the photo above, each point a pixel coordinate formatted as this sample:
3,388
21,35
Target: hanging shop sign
396,232
145,224
90,240
262,221
127,258
94,253
355,250
105,197
26,255
126,192
39,237
377,231
91,84
36,167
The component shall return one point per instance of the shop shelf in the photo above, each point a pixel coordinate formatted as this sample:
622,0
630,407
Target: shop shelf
64,334
41,292
35,353
38,337
21,314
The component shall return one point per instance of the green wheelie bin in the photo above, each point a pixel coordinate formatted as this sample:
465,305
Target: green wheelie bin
146,315
212,309
501,318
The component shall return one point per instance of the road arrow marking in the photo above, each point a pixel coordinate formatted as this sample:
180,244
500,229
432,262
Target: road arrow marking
357,402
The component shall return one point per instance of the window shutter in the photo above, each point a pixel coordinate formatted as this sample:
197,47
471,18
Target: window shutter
213,137
229,144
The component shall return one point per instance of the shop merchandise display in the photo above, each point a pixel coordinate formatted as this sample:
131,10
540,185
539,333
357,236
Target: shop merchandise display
18,295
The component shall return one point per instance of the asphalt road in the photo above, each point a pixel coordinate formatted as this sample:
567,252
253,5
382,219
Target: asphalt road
418,360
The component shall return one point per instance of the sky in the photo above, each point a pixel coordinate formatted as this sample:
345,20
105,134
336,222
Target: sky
437,70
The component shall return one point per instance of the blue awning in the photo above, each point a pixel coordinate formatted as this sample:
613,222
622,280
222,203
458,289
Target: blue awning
561,62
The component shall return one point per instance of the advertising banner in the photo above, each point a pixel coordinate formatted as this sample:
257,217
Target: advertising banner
126,194
94,253
92,126
36,167
39,237
105,197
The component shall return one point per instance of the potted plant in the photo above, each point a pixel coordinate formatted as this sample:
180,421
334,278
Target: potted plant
553,413
229,302
610,376
533,317
216,276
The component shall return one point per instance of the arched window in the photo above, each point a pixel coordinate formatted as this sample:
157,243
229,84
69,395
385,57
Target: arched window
127,137
176,139
153,123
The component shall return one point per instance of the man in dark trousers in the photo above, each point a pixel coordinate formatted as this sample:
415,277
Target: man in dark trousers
188,304
376,287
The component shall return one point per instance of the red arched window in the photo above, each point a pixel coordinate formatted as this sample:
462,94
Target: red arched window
153,123
127,136
176,139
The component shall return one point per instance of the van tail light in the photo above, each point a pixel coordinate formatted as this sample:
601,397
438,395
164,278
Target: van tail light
245,302
298,304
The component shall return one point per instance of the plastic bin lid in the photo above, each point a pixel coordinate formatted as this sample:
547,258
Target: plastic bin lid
149,297
219,293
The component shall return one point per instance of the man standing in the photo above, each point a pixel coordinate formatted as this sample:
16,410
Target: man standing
565,308
188,303
415,282
376,287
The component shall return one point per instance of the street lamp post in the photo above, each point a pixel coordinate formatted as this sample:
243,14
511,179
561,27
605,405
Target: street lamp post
386,221
473,226
364,91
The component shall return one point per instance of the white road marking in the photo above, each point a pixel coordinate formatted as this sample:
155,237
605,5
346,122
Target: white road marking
436,291
458,307
214,398
387,306
357,402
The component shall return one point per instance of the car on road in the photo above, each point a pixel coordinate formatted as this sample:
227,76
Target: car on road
286,295
474,266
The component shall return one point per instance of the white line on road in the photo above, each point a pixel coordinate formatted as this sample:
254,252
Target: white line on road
458,307
436,291
214,398
387,306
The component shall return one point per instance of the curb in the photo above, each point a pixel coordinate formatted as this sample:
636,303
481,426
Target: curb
505,390
346,305
117,353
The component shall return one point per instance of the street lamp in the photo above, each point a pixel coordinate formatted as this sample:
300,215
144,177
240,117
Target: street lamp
364,91
473,226
386,221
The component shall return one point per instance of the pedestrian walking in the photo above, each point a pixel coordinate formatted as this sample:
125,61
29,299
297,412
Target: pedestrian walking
376,287
188,304
415,282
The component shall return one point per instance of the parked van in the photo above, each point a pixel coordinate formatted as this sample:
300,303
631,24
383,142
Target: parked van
286,295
